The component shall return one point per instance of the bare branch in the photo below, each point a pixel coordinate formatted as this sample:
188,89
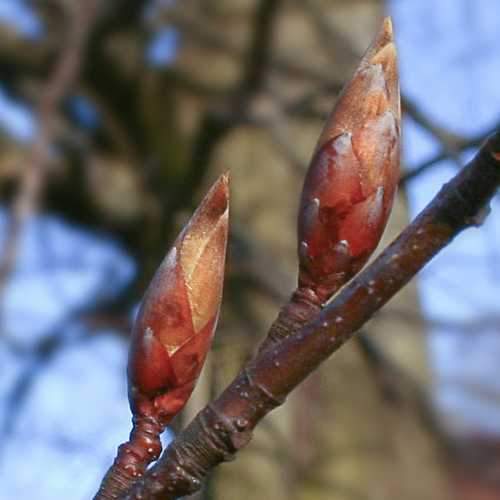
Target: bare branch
82,17
472,142
226,425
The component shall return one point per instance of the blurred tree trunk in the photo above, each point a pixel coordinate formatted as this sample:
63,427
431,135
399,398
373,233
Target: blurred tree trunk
340,436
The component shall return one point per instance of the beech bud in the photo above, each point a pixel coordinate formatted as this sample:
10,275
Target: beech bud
178,316
351,182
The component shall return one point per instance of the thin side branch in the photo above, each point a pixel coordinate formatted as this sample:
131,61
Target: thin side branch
226,425
56,89
461,146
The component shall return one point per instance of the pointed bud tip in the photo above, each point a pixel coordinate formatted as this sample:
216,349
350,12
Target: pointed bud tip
226,176
223,182
382,52
372,91
216,202
220,191
383,49
385,36
386,29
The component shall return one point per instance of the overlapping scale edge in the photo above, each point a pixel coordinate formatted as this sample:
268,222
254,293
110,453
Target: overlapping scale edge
178,316
350,185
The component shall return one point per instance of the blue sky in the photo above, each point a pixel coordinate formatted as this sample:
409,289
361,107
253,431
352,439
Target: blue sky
16,118
19,15
450,62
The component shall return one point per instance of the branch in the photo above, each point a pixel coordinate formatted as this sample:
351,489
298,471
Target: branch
225,426
472,142
449,142
59,84
259,55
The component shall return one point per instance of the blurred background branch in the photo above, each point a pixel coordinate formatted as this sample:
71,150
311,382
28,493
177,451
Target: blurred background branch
78,19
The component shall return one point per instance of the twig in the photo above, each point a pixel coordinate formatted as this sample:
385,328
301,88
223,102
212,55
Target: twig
226,425
34,176
472,142
450,143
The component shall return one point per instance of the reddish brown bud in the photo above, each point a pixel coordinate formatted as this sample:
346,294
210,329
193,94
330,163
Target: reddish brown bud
349,188
177,319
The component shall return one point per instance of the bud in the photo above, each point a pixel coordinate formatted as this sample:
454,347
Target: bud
351,182
177,319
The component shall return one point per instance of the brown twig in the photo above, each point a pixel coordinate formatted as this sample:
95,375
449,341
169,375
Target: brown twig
226,425
32,182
